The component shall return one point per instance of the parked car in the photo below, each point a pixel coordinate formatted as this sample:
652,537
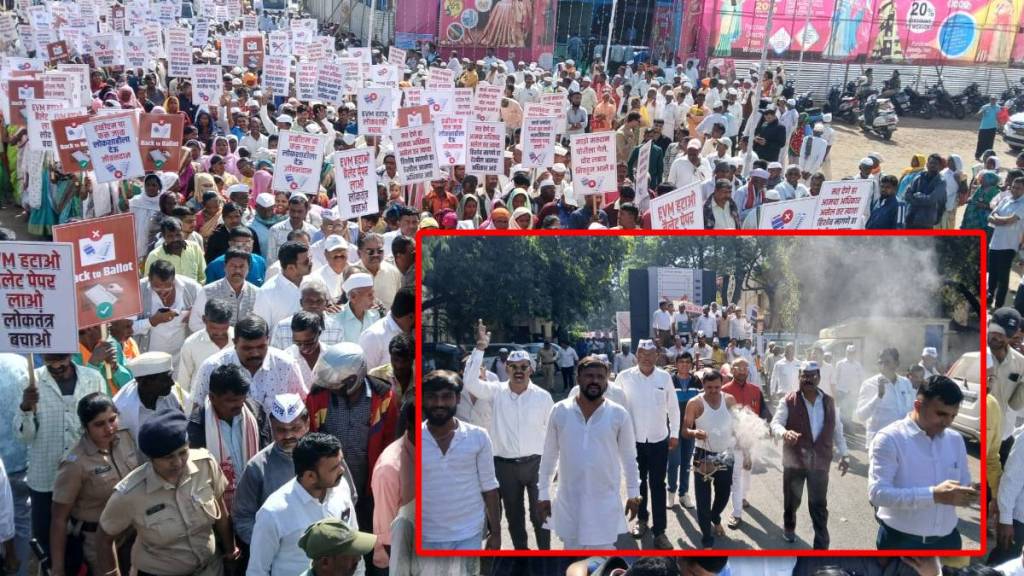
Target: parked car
535,347
442,356
966,372
1013,132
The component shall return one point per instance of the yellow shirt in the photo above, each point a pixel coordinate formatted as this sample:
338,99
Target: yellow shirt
189,263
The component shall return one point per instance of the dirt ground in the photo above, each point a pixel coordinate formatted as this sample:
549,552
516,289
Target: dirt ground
913,136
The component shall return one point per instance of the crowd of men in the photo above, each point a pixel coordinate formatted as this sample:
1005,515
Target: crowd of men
653,420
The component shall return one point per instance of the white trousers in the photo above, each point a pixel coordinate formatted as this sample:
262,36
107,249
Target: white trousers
573,545
740,486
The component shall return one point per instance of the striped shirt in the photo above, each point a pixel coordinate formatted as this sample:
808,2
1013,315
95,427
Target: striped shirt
332,333
241,303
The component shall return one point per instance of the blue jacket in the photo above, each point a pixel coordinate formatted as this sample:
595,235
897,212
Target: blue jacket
888,214
257,270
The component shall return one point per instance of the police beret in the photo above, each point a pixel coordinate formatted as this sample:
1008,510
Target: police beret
163,433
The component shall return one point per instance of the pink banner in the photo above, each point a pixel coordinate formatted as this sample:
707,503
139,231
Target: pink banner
415,21
523,27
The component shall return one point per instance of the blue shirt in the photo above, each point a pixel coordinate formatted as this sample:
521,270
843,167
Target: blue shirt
257,269
13,373
988,116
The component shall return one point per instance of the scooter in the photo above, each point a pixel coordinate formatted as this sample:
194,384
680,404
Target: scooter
879,116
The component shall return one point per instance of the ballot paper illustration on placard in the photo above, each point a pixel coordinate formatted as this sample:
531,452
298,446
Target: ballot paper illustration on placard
97,249
75,132
103,299
160,130
27,92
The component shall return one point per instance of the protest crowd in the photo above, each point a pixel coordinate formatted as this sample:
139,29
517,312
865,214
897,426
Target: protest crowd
254,411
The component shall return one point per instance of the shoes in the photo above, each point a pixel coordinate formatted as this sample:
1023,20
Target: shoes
789,537
719,531
670,500
639,530
746,504
687,502
661,542
735,523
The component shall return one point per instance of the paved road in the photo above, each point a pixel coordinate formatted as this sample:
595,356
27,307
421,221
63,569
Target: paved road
851,519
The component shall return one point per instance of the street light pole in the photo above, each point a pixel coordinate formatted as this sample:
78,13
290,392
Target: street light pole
748,158
611,26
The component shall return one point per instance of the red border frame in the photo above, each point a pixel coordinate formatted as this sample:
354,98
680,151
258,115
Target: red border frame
983,284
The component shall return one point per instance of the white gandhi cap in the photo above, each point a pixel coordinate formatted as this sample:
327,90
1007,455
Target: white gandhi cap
150,363
287,407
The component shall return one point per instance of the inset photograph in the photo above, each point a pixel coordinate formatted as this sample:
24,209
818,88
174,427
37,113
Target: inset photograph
658,393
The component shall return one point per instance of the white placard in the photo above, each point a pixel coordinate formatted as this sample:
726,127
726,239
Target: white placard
40,306
355,173
680,209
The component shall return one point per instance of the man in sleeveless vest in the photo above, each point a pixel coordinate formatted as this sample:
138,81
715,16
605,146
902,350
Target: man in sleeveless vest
709,421
811,430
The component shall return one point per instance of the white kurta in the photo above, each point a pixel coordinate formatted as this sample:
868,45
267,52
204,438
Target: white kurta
877,413
591,457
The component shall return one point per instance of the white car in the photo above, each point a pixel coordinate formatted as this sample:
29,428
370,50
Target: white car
966,372
1013,132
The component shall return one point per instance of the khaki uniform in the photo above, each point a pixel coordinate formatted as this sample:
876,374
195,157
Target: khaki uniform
174,524
86,478
547,365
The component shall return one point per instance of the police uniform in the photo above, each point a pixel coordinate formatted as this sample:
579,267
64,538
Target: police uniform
174,523
86,478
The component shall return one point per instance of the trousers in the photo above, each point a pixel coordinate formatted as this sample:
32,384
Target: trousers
709,510
652,460
515,477
793,480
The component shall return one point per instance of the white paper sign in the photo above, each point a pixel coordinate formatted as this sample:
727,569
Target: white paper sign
114,148
451,139
355,172
789,215
593,163
416,153
37,115
680,209
207,85
485,145
376,109
642,168
538,140
299,158
842,204
277,73
40,306
487,103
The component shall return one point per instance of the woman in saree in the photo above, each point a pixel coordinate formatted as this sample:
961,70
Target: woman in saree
172,106
917,166
209,218
729,27
469,211
979,206
60,201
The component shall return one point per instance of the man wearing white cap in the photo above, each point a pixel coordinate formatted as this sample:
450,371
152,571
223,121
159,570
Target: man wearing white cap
788,117
651,401
811,431
849,374
517,432
690,167
359,313
813,150
830,138
929,361
750,196
314,297
263,220
400,318
790,188
336,252
271,467
152,390
885,397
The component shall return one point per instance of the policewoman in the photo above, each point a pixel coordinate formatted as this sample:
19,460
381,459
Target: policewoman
85,480
175,504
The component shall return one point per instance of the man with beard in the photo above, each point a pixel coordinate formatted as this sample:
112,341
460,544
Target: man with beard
186,258
747,395
810,427
48,402
387,279
167,302
651,402
317,492
264,220
271,467
459,489
1007,374
231,218
521,411
709,421
590,441
885,397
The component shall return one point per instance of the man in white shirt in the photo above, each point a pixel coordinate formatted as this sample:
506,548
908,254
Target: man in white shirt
885,397
298,210
520,415
590,441
790,188
929,361
167,300
827,382
661,324
1010,531
702,350
1007,375
567,359
785,374
273,372
214,337
624,361
810,428
706,323
387,279
317,492
919,474
279,297
375,340
689,167
651,402
848,376
460,503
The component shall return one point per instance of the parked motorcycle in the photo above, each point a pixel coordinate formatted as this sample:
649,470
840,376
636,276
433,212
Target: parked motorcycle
945,105
844,105
879,117
911,102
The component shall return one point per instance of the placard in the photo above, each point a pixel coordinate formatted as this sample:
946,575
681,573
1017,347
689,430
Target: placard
279,43
107,50
230,51
61,86
114,148
789,215
82,72
72,147
200,33
330,83
396,57
384,75
440,101
135,53
642,168
355,173
487,103
451,139
252,51
306,77
299,158
413,116
462,101
440,78
413,96
538,142
376,111
842,204
58,52
485,145
160,138
352,75
106,276
37,286
416,153
277,73
37,116
593,163
179,52
19,90
207,85
154,41
680,209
